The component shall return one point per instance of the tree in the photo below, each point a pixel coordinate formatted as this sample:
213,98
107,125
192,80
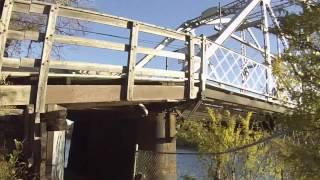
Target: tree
13,164
32,22
225,144
299,72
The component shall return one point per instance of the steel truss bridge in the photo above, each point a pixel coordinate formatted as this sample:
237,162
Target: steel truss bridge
221,58
210,69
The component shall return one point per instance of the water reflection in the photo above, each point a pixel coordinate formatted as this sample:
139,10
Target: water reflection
189,165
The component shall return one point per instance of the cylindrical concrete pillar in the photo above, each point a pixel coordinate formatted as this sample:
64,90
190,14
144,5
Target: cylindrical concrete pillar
157,135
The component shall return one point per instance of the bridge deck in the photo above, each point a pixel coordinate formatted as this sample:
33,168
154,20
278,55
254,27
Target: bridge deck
48,81
82,93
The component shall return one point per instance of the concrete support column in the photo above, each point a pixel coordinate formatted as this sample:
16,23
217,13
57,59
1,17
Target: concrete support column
157,134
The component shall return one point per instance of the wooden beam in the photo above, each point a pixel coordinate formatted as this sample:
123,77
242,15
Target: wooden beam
45,60
26,35
81,94
41,133
146,93
91,16
162,53
72,65
203,66
16,95
36,36
10,112
163,32
69,94
79,41
4,26
191,69
132,56
31,7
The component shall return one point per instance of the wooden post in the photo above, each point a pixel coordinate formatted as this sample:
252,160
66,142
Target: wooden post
191,88
56,125
204,67
132,60
4,26
40,136
28,131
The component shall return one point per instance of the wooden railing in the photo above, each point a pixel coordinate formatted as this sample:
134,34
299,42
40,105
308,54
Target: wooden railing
53,11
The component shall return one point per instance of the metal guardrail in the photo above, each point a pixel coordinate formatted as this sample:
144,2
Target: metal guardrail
233,69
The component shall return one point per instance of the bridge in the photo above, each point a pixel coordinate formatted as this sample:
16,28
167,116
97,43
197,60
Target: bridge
229,64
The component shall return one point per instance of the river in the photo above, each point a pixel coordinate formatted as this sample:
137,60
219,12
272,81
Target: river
189,165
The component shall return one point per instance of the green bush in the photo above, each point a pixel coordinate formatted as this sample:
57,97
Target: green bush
12,167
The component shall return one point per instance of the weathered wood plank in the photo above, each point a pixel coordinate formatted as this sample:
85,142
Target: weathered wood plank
72,65
163,32
26,35
28,130
204,66
91,16
106,19
44,68
67,94
162,53
158,93
132,56
15,95
83,94
41,92
70,94
191,64
4,26
39,7
10,112
79,41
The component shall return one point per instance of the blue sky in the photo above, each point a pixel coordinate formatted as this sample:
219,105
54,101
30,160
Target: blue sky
169,13
166,13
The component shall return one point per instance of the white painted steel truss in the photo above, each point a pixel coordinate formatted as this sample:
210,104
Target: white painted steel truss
228,67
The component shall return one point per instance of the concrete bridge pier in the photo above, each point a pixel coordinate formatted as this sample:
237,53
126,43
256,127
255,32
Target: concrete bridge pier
156,134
